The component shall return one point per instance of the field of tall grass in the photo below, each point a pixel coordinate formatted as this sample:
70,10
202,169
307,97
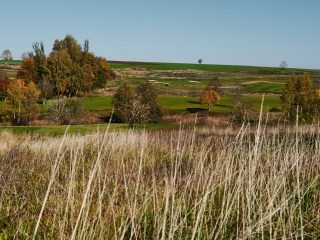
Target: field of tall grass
246,183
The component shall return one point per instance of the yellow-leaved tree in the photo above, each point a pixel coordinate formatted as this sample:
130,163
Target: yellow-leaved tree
20,104
299,99
209,97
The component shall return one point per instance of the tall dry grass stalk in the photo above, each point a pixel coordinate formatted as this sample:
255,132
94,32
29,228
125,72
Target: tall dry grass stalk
250,183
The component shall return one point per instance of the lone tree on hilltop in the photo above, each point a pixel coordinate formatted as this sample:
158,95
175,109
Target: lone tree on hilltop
283,65
200,61
6,55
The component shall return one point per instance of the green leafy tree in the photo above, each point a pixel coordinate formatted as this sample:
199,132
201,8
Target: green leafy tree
69,44
40,62
128,106
299,99
149,95
61,67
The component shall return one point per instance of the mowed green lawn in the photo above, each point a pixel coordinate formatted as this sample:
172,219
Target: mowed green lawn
182,105
276,88
179,104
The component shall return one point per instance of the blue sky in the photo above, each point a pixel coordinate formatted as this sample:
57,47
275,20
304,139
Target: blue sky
242,32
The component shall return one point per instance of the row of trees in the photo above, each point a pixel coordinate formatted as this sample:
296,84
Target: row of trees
131,105
69,70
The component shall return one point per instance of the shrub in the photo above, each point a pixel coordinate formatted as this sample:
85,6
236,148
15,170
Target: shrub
241,109
66,110
136,106
149,94
128,106
274,109
209,97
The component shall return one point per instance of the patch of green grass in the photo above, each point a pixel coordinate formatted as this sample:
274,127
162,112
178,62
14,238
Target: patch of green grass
264,88
11,62
177,104
98,103
269,102
181,105
206,67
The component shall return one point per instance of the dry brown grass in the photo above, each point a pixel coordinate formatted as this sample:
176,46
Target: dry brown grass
252,183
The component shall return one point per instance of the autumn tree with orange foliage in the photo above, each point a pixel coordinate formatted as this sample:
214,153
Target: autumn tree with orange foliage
20,105
209,97
27,70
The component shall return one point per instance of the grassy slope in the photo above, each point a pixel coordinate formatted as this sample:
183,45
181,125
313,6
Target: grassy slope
264,88
12,62
181,66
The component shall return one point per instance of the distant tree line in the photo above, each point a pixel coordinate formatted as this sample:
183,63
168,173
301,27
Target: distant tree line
69,70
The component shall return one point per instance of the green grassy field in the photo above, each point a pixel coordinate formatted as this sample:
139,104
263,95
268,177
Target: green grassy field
177,104
12,62
206,67
182,105
275,88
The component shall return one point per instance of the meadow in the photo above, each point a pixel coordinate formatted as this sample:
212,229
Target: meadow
172,180
246,183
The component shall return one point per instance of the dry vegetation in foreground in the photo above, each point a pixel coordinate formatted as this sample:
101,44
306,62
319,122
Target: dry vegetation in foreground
253,183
